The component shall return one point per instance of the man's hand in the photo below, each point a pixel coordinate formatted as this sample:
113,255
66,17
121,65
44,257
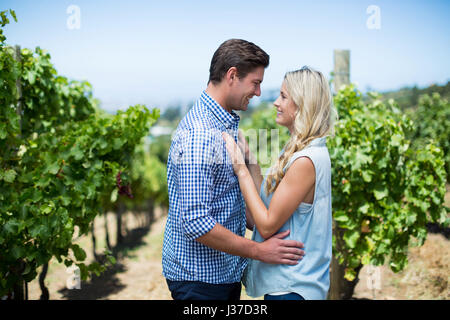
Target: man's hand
277,251
274,250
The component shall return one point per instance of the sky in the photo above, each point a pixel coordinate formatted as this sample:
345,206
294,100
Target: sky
158,53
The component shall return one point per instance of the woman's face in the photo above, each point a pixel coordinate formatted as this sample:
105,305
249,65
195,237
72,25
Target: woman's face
286,109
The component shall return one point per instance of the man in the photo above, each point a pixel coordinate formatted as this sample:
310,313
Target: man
204,250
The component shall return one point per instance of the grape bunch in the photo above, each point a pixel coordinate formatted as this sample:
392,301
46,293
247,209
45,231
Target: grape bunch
123,190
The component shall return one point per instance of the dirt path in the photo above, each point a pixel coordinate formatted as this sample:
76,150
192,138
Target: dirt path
137,275
426,277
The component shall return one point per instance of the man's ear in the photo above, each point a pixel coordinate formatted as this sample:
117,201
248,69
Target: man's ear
231,75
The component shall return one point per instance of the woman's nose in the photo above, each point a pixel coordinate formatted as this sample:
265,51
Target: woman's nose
276,103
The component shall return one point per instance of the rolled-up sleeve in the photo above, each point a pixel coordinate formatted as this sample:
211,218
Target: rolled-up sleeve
195,178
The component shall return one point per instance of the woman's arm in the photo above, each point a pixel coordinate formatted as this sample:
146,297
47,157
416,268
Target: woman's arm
296,184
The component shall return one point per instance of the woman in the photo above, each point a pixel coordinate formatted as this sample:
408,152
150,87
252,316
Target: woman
296,194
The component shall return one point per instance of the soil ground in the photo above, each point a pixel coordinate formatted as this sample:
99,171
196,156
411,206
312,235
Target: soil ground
137,275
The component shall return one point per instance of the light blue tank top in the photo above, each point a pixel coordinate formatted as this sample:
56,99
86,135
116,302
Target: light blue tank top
310,224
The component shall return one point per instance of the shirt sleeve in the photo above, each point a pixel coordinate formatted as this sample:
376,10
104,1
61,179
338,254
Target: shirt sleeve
196,167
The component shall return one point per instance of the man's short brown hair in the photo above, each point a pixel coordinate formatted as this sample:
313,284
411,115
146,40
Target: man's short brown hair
244,55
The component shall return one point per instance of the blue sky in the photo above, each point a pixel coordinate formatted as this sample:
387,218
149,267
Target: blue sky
158,52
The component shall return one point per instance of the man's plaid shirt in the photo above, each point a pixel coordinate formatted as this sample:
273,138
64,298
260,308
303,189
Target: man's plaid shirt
203,191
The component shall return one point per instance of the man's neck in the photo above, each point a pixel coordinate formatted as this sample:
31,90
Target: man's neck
217,93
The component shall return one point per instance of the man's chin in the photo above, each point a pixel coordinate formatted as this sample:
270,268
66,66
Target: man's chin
245,105
242,108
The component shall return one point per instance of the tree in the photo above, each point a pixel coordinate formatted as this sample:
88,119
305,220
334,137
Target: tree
432,123
59,159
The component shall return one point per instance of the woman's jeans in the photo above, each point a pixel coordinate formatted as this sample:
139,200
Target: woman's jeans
289,296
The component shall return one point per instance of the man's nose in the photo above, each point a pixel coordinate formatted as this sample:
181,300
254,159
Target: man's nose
258,91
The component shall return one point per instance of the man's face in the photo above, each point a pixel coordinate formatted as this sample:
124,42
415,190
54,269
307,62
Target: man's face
242,90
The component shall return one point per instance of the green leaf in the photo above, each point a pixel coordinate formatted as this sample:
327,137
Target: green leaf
53,168
84,272
367,176
13,14
86,164
351,237
360,159
380,193
66,199
47,208
31,76
340,216
118,143
79,253
103,144
350,274
27,269
364,208
68,262
17,252
11,226
43,182
77,153
114,194
3,131
365,260
411,218
9,175
111,259
396,140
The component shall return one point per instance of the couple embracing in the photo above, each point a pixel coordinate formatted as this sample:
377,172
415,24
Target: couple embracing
212,201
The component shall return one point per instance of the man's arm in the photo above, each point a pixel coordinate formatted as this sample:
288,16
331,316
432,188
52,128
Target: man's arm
273,250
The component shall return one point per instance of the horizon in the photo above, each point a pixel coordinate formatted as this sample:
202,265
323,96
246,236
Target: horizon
158,54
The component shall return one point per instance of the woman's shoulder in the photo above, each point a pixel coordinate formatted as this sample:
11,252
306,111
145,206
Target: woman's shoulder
301,167
316,151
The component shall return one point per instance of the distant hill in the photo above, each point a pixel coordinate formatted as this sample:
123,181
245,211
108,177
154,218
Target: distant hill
408,97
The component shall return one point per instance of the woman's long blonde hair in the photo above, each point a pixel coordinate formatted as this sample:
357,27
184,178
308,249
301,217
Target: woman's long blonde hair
314,117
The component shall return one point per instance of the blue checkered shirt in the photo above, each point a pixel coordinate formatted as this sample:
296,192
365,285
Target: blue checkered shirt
203,191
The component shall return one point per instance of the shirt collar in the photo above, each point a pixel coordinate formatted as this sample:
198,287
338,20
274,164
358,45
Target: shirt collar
319,141
229,120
